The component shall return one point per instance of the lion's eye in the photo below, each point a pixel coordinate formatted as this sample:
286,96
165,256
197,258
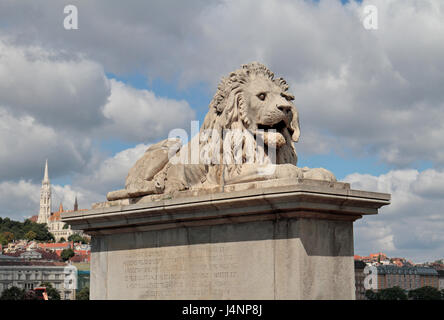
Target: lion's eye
288,97
262,96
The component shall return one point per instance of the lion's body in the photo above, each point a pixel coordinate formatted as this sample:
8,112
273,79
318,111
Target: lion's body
248,134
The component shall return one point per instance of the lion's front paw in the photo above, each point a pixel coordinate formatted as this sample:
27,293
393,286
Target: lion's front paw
318,174
288,171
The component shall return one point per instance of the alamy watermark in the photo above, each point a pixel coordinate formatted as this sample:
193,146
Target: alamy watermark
370,20
71,21
225,147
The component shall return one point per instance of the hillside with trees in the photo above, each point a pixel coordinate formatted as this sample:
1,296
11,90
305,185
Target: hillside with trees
14,230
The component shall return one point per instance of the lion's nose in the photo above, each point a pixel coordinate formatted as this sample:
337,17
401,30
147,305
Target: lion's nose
284,108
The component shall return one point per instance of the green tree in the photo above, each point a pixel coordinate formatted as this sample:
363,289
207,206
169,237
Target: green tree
77,238
67,254
20,229
53,294
30,235
3,240
371,295
62,239
13,293
9,236
425,293
83,294
394,293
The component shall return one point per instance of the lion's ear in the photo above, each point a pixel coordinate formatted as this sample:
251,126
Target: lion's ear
295,125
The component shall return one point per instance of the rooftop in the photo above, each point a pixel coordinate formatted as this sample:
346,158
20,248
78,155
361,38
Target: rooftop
391,269
21,262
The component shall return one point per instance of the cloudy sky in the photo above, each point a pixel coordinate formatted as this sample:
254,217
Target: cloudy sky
91,100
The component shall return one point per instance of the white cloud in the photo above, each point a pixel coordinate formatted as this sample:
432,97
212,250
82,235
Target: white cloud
412,225
25,144
375,92
57,106
56,89
138,115
110,174
66,195
21,200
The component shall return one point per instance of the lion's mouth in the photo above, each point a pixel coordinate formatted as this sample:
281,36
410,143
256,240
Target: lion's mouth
279,127
275,134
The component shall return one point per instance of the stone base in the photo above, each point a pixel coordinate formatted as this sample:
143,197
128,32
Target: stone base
284,259
288,242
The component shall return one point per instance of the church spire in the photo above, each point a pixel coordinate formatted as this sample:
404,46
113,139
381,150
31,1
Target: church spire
76,205
45,198
46,176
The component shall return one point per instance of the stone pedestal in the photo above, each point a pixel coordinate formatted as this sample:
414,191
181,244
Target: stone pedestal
265,240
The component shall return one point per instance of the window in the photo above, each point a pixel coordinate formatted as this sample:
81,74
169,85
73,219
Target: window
29,286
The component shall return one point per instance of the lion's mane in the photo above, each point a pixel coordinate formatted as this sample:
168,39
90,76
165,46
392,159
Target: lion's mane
227,110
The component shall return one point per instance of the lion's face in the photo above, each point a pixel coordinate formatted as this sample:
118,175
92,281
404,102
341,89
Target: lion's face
252,100
267,106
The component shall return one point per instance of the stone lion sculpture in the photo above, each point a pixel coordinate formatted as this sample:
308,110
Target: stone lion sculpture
248,135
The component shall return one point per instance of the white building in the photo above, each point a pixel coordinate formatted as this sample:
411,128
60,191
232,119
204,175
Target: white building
406,277
53,220
30,274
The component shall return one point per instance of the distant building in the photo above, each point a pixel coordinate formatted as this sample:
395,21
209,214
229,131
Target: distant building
27,274
374,258
52,219
36,254
359,279
57,247
440,279
14,246
378,256
407,278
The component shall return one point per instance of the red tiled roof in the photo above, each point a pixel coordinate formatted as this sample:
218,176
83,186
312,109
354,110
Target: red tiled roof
19,262
81,258
82,252
55,216
46,255
57,245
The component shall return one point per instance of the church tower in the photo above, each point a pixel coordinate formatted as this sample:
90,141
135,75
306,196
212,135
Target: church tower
45,198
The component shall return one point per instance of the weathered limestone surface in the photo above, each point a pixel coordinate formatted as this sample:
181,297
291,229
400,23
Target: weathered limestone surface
290,241
284,259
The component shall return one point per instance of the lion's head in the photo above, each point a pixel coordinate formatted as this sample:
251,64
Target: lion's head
251,99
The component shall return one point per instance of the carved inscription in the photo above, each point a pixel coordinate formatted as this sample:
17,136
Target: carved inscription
176,272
